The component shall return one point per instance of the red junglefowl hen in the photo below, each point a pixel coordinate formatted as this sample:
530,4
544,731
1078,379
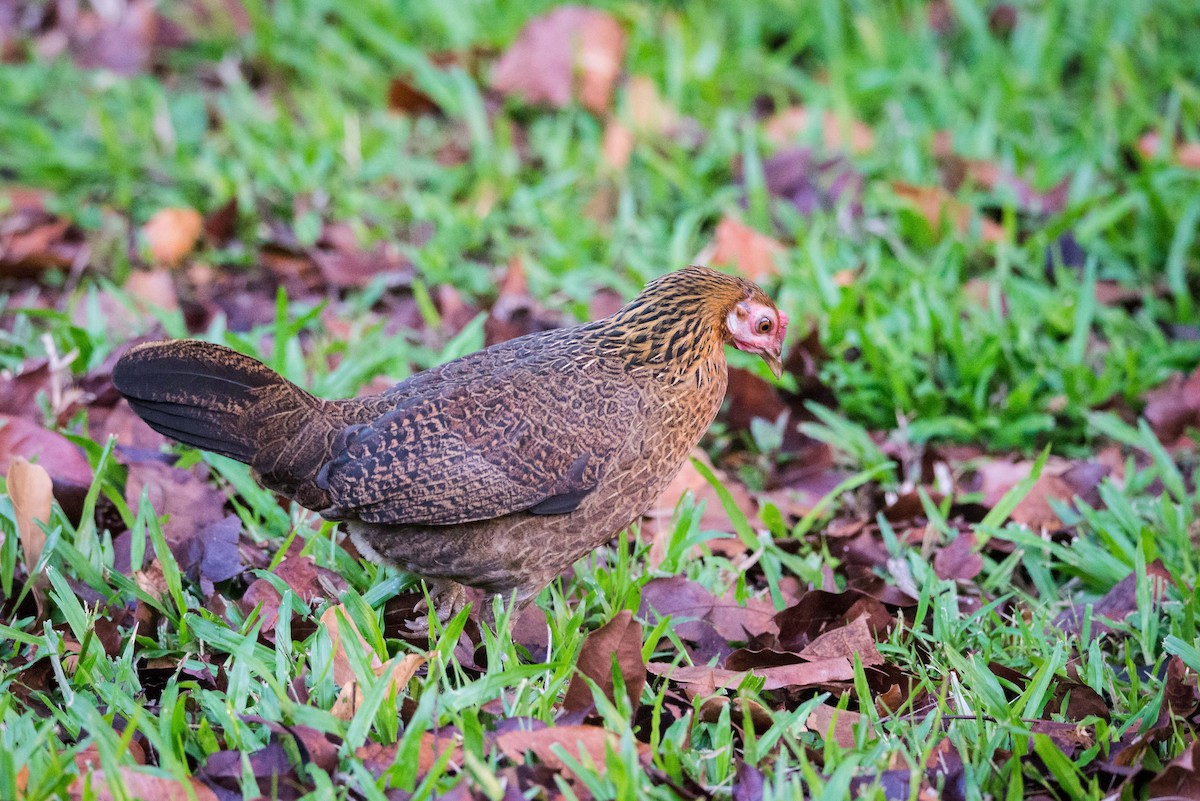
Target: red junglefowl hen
497,470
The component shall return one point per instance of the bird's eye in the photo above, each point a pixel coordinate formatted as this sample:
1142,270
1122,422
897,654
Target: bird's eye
764,325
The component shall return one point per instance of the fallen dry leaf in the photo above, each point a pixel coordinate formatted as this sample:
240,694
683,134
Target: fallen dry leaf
32,240
839,725
813,184
787,127
939,207
619,639
1185,154
705,680
405,98
853,639
31,491
648,112
397,671
171,234
1173,408
135,783
569,52
63,460
617,147
584,743
959,560
735,244
154,288
1118,603
992,177
1060,480
378,758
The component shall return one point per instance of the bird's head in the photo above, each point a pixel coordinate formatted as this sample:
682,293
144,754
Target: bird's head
696,310
756,326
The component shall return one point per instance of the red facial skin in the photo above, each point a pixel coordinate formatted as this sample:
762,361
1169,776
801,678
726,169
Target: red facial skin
757,327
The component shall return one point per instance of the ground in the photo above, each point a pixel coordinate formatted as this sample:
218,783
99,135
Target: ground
951,554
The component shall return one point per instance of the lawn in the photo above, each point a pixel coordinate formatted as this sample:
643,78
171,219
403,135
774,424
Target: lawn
952,553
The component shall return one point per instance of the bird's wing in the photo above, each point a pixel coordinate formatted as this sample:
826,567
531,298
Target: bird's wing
468,443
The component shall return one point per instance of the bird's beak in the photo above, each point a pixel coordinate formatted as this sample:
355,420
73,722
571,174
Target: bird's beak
775,362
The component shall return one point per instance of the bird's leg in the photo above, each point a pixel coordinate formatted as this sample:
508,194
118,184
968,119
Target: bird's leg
446,597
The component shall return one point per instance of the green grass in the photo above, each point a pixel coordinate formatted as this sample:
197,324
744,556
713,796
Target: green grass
1034,362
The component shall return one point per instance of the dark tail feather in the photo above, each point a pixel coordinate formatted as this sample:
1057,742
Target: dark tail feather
205,395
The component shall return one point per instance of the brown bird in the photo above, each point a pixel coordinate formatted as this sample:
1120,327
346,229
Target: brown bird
497,470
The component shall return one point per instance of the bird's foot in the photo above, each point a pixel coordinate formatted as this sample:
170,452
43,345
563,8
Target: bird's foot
447,598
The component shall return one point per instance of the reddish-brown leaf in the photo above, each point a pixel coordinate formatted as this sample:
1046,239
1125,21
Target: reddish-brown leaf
853,639
61,458
753,254
583,743
135,783
405,98
19,390
1181,778
1173,408
792,125
1119,602
379,758
958,560
569,52
619,640
939,207
838,725
1060,480
705,680
171,234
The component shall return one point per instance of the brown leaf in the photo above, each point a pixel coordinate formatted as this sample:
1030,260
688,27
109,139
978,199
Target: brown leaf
121,41
648,112
32,241
135,783
31,490
705,680
830,723
814,184
760,717
19,390
171,234
753,254
515,313
819,611
63,460
617,147
959,560
855,638
992,177
580,742
1185,154
1119,602
569,52
938,206
1060,480
397,672
693,610
619,639
154,288
406,98
1181,778
789,126
190,503
1173,408
378,758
